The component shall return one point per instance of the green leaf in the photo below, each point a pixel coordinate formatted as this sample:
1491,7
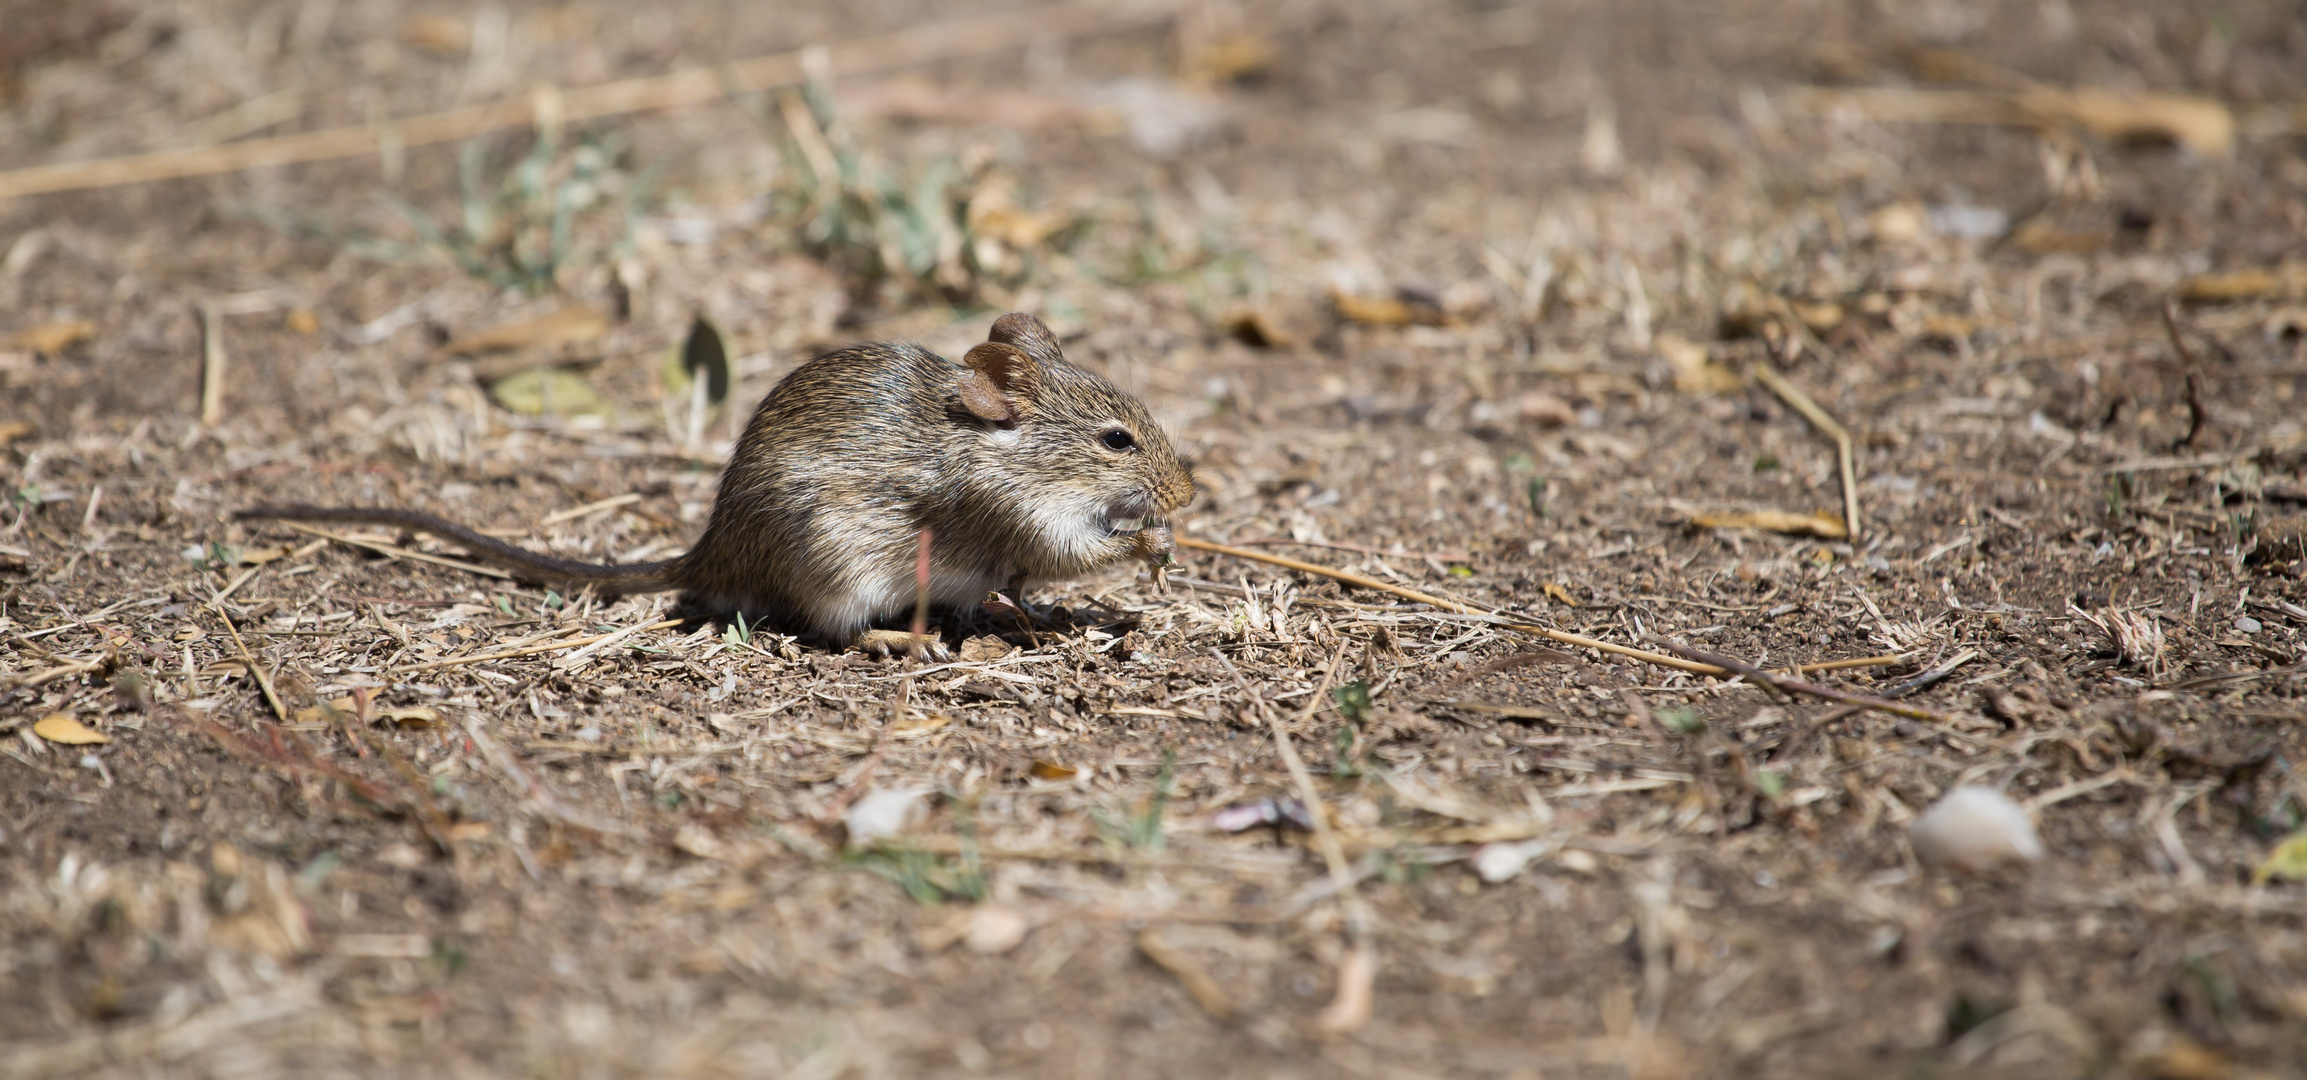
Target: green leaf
1770,784
2288,861
1353,700
1680,720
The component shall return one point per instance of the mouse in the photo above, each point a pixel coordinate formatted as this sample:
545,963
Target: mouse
1019,464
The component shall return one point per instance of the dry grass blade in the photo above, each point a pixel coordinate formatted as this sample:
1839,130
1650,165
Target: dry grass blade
390,551
255,670
689,86
211,364
1367,582
1831,428
1349,1009
533,650
1198,983
1795,686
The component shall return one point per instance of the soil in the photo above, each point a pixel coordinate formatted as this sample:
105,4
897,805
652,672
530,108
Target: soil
1480,300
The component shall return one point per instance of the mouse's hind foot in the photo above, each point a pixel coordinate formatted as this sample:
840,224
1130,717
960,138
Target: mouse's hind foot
900,643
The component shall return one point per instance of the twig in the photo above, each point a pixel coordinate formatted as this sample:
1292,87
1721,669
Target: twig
1366,582
2197,415
920,598
400,552
912,46
1827,425
1796,686
211,364
1935,674
533,649
1445,556
575,512
1350,1009
254,671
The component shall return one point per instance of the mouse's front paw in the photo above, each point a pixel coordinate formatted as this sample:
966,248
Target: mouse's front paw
900,643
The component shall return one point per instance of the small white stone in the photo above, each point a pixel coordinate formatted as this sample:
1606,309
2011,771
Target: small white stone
884,813
1506,859
994,929
1975,828
2246,624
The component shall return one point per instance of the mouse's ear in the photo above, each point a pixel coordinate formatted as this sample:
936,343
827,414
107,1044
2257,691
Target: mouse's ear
1000,384
1021,329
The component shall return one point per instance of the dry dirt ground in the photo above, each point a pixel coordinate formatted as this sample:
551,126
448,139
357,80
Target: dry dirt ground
1478,294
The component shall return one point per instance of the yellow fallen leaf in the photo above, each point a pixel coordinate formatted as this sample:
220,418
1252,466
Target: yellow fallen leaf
56,337
2287,861
1372,312
62,728
921,726
2288,280
568,326
1229,58
1694,371
1561,594
537,392
12,430
1821,316
1821,525
1050,770
302,321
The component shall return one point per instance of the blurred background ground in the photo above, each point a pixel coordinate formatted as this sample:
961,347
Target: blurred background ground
1466,296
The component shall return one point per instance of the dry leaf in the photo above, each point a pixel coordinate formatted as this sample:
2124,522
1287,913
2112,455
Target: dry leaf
1050,770
2287,281
1544,409
1230,58
302,321
441,35
1258,330
568,326
2203,125
1372,312
1694,372
415,716
1560,594
1821,316
62,728
12,430
543,391
1825,526
56,337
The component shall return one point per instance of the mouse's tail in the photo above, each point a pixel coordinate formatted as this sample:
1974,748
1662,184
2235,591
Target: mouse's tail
607,577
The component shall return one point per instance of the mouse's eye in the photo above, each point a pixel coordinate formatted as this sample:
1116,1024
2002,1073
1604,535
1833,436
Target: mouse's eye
1117,439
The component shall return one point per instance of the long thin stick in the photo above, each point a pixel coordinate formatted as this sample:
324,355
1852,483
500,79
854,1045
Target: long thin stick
254,672
1831,428
1796,686
1363,581
400,552
1350,1009
689,86
211,363
532,650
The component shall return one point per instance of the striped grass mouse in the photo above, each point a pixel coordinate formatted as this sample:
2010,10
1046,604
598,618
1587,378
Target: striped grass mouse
1021,465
